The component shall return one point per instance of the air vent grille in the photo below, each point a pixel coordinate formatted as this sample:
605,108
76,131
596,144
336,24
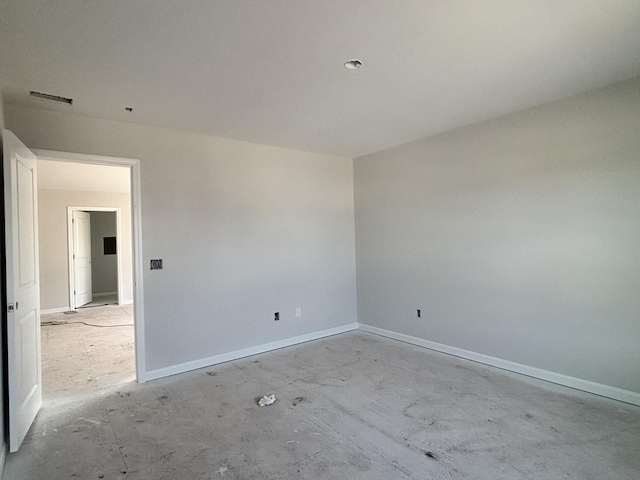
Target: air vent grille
51,98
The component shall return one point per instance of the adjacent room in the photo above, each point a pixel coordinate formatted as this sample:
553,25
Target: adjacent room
86,294
416,224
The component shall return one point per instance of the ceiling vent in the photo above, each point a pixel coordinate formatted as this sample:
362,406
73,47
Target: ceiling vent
51,98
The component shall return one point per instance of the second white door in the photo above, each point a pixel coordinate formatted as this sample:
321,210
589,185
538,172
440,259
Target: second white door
82,257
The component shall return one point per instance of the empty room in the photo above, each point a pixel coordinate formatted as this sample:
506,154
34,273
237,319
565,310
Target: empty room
366,239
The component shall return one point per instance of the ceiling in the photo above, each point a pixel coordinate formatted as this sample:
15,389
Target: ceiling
54,175
272,72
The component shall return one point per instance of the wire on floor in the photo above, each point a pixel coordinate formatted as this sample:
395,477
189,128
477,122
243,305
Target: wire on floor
53,323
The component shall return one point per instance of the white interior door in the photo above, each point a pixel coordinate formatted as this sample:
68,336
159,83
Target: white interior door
82,257
23,288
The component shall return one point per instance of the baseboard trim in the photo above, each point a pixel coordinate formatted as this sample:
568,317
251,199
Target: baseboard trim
104,294
245,352
49,311
553,377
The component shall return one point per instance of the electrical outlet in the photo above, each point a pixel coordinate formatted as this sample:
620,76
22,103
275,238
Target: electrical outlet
418,314
298,312
276,316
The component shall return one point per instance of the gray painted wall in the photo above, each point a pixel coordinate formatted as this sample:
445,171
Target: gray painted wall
53,236
104,268
518,237
244,230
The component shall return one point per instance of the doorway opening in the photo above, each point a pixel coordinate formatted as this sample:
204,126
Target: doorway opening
109,335
95,257
24,295
88,341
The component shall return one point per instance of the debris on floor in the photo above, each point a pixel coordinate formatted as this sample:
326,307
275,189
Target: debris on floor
431,455
298,400
267,400
221,470
54,323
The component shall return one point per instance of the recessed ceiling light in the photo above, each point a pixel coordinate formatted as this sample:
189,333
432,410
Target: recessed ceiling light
353,64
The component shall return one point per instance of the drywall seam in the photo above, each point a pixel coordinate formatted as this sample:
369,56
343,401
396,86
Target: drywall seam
553,377
246,352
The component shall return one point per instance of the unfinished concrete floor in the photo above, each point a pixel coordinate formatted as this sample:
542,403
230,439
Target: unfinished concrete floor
83,353
352,406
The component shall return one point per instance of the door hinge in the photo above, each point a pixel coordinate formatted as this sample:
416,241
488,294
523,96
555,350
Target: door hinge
74,292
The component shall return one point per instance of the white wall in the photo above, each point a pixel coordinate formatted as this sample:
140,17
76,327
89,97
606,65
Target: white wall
244,230
104,268
518,237
54,249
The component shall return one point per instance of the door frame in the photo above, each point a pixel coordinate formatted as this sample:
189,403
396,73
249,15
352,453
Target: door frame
71,245
136,238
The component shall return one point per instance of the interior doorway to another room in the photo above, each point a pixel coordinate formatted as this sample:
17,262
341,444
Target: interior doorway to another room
37,268
95,264
87,287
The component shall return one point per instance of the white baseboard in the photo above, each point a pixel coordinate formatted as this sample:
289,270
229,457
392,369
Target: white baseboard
245,352
577,383
126,302
104,294
49,311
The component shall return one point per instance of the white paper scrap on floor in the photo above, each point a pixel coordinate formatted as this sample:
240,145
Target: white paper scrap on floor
267,400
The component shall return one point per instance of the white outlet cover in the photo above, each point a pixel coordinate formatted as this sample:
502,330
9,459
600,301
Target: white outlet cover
298,312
